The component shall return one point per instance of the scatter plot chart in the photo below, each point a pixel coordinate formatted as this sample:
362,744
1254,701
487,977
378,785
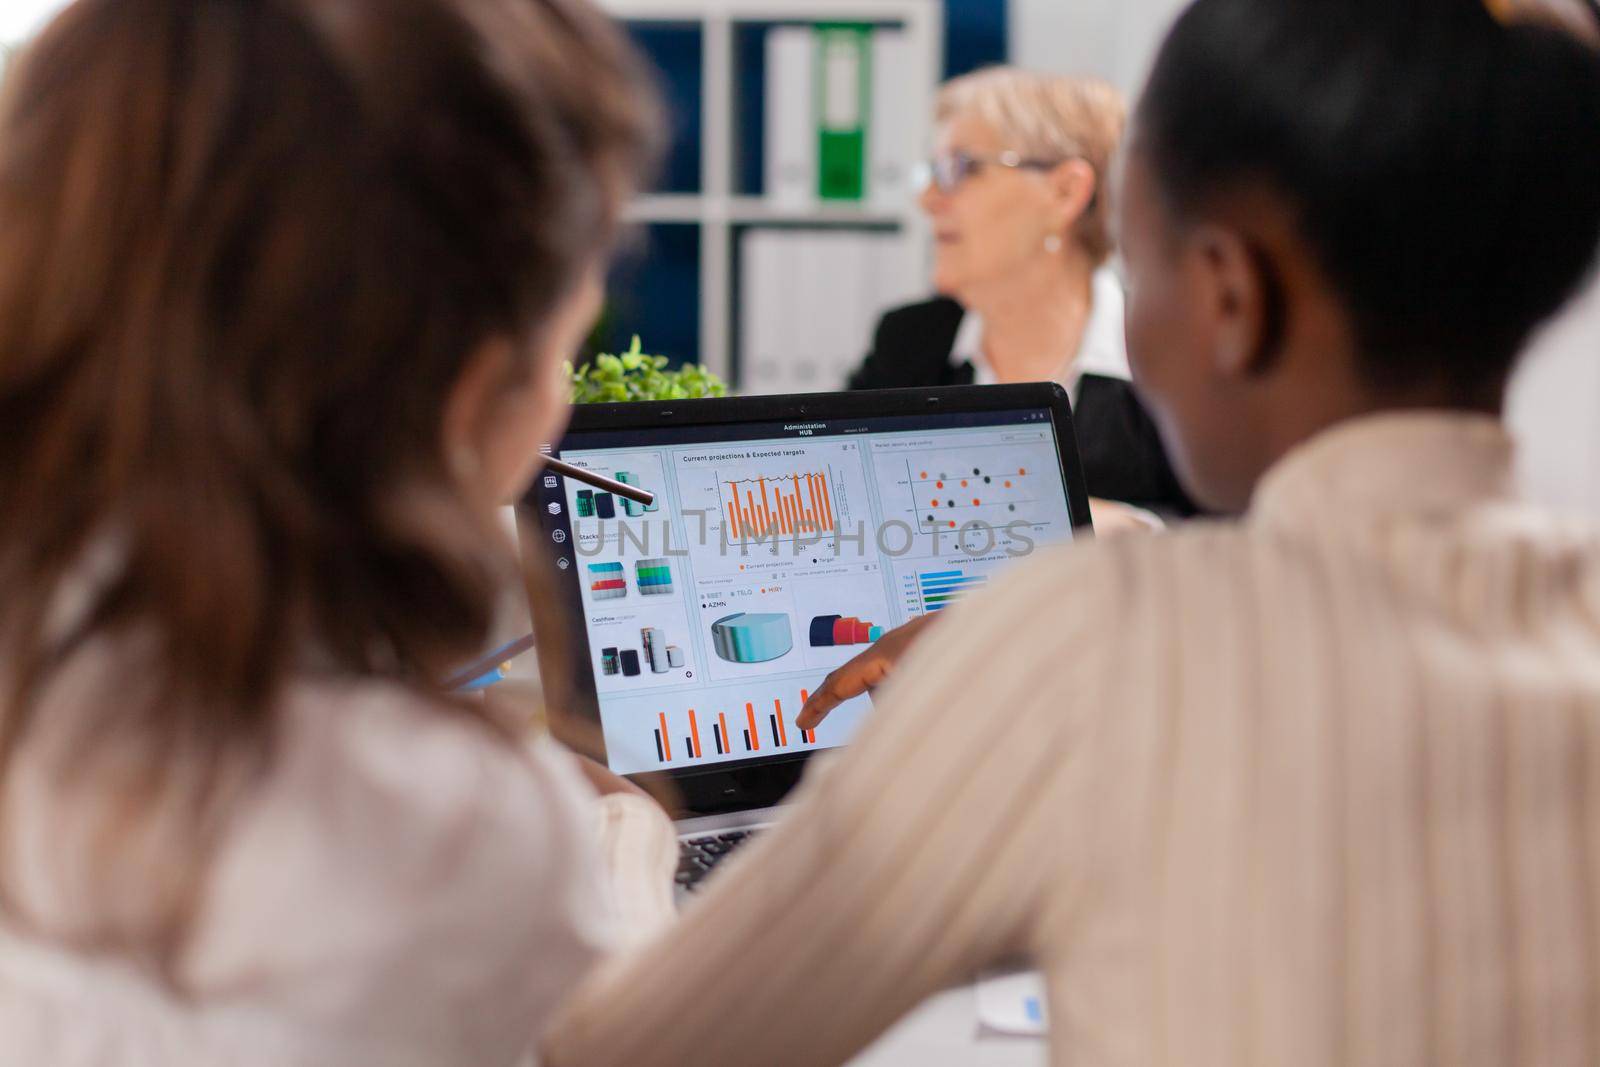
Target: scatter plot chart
993,486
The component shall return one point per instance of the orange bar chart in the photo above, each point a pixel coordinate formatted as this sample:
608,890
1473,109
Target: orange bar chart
663,742
722,734
785,506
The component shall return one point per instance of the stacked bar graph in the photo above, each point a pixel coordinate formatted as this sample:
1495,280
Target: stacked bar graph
654,652
784,506
940,589
632,508
661,656
606,581
654,576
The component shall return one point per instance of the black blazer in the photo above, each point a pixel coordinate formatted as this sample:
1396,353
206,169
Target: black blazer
1121,453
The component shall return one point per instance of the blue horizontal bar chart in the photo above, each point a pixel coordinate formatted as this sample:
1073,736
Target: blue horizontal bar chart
940,589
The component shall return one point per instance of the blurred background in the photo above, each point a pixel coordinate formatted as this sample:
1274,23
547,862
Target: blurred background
785,219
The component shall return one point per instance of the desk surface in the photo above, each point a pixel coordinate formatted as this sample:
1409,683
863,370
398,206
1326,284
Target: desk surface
943,1032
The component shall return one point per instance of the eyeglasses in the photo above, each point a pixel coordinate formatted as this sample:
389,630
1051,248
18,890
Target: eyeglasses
947,172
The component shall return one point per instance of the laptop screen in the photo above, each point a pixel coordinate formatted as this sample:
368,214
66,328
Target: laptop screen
776,551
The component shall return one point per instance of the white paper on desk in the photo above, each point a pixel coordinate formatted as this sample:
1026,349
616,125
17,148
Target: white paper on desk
1012,1002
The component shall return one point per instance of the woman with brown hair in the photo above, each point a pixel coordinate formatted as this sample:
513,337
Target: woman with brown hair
284,290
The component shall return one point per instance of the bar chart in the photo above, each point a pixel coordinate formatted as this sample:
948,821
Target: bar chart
740,730
939,589
654,576
606,581
642,469
784,506
762,497
630,508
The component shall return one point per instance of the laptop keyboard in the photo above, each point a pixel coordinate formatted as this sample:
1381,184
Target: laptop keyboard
698,856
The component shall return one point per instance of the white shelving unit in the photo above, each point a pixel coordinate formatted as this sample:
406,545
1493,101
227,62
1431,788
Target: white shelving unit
718,211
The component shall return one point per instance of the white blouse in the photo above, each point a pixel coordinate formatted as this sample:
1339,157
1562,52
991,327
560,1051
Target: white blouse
403,889
1316,789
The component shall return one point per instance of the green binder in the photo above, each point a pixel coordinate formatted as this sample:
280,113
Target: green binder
843,102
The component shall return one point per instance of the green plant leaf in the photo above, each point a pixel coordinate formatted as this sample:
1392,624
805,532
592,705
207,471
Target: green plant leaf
637,375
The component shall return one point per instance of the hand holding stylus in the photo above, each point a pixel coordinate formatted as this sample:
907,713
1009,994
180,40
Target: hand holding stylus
862,674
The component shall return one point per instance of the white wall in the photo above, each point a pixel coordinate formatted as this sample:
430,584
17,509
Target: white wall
20,18
1554,408
1113,39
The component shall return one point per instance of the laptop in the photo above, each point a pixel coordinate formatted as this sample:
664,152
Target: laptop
786,534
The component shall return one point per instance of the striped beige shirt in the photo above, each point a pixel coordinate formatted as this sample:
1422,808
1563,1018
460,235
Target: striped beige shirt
1318,788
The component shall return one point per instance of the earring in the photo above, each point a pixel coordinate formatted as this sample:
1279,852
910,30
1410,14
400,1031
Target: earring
1052,244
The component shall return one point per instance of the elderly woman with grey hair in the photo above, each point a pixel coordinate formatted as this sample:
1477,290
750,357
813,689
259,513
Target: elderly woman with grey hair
1019,202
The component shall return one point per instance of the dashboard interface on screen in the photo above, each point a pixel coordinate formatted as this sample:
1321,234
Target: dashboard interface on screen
774,553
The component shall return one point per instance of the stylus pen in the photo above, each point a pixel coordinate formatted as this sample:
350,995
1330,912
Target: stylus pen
600,481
